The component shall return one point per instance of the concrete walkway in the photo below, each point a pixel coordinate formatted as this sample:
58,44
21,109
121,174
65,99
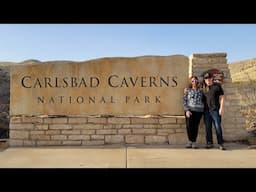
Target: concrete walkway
236,156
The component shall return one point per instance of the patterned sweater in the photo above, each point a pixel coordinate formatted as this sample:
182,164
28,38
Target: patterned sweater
193,100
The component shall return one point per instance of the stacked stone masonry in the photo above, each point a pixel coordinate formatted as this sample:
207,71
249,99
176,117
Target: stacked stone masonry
84,130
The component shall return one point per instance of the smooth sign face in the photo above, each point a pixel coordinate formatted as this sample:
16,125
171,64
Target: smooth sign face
149,85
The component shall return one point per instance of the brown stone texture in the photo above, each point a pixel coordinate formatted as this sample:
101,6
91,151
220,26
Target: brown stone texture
109,86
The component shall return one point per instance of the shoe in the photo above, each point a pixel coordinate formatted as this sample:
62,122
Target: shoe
189,145
221,147
194,145
209,146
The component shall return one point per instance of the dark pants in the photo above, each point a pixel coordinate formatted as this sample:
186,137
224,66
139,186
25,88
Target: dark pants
192,125
209,118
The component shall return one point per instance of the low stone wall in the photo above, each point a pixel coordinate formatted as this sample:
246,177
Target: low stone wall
88,130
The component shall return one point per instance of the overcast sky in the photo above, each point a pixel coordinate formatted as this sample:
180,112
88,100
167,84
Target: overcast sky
81,42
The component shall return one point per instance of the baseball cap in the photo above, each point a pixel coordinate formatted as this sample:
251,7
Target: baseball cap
208,75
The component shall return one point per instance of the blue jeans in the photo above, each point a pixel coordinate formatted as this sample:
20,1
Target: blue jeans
209,118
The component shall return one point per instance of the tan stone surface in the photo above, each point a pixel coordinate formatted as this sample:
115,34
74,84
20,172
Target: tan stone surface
62,157
121,86
236,156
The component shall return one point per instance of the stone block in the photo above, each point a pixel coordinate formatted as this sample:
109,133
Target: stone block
19,134
87,132
70,132
60,126
114,139
87,126
52,132
15,120
78,137
93,142
165,131
133,126
106,132
135,120
40,137
74,143
79,120
134,139
37,132
170,120
59,120
48,143
23,126
97,120
119,120
58,137
97,137
113,126
171,126
154,126
124,131
41,127
15,142
144,131
156,140
32,120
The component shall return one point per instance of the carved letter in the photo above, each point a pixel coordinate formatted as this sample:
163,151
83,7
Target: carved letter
22,81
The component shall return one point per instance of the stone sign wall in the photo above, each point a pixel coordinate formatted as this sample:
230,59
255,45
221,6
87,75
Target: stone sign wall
114,101
110,86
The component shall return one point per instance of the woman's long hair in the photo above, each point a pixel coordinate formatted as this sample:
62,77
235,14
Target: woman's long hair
190,84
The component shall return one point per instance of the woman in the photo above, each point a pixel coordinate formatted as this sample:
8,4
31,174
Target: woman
194,108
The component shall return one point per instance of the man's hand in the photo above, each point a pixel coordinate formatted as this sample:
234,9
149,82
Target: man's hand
221,111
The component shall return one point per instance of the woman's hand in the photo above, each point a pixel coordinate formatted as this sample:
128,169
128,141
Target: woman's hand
188,113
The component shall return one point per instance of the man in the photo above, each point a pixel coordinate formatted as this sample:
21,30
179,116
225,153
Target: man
214,109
